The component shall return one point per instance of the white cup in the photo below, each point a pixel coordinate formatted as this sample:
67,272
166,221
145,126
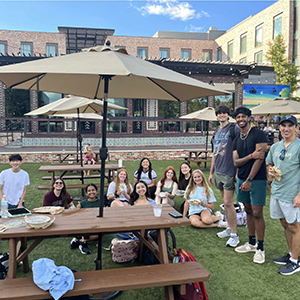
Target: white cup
157,209
120,163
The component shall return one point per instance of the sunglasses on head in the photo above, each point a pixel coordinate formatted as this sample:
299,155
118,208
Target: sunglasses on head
59,182
282,154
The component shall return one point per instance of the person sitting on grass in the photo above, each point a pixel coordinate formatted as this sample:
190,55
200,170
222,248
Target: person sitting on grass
146,174
58,196
89,159
118,192
167,187
200,214
91,201
140,194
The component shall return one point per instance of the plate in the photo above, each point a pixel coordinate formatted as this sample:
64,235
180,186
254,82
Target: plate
162,195
180,192
194,201
37,220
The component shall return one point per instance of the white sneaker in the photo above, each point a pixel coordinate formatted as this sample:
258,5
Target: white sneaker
225,233
222,224
219,214
259,257
246,248
233,241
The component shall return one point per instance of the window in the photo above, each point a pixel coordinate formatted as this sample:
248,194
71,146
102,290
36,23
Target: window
164,53
26,49
243,60
206,55
51,49
117,127
47,97
3,45
185,53
138,107
277,24
258,57
219,54
258,35
142,53
243,42
115,113
17,103
230,50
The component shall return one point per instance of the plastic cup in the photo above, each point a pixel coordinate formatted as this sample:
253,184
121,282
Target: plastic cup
157,209
120,163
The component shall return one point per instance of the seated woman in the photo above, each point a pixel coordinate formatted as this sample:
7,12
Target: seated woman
90,201
118,192
200,214
89,159
167,187
58,196
185,174
140,194
146,174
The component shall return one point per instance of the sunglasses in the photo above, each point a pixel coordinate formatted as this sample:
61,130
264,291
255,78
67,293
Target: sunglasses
58,182
282,154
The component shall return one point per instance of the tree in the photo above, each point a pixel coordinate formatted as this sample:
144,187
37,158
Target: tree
286,71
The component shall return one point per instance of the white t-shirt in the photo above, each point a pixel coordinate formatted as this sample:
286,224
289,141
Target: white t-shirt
112,188
14,184
145,176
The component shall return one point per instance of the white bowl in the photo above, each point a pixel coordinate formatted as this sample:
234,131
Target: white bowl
162,195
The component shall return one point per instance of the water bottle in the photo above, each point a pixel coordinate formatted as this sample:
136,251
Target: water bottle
4,207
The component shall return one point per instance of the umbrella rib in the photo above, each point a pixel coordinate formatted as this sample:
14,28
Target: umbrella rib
100,77
164,89
42,76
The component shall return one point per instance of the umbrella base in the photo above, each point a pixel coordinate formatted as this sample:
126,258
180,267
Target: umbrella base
107,295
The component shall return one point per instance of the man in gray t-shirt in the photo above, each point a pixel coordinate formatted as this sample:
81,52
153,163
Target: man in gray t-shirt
225,171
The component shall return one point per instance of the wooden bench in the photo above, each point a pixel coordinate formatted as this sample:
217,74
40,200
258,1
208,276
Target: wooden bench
70,186
72,177
120,279
198,161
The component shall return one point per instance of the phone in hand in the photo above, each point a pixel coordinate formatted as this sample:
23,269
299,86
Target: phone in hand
175,214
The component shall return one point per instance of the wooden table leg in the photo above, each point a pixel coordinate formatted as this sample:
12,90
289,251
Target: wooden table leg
163,255
25,260
12,262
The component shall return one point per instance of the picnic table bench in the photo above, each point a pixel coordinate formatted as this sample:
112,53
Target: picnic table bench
71,186
199,157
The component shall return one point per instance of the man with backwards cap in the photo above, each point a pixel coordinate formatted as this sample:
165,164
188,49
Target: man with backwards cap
285,192
249,157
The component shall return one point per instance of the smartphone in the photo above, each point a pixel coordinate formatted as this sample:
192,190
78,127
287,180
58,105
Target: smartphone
175,214
18,212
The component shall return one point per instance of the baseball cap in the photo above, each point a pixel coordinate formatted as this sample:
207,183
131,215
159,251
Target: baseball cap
242,110
289,118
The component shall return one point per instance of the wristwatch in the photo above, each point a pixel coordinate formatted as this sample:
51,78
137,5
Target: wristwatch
249,179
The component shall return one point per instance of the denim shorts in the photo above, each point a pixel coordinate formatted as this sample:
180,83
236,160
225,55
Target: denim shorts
256,195
224,182
284,210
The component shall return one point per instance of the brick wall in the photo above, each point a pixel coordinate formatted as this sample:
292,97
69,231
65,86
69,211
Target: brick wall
38,39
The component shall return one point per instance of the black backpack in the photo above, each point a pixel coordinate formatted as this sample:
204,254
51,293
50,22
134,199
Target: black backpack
3,265
148,257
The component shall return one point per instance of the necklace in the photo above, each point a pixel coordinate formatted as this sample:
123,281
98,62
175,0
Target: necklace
244,136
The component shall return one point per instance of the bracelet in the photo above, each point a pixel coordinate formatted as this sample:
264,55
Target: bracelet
116,194
251,156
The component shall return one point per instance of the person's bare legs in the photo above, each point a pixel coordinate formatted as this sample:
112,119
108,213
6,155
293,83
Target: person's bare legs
287,233
116,203
196,221
229,209
250,219
259,221
294,230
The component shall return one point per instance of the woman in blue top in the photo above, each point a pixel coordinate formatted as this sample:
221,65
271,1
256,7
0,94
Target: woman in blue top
200,214
140,194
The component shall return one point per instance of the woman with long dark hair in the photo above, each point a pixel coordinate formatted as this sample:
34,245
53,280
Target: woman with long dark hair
140,194
146,174
58,196
185,174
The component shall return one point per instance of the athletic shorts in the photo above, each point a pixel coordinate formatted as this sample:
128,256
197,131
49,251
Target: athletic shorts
284,210
256,195
224,182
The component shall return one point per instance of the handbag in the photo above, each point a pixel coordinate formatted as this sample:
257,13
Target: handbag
124,250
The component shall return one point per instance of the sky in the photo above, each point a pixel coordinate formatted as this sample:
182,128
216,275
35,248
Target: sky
128,18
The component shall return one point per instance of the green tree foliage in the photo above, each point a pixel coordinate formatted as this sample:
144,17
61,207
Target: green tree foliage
168,109
196,104
17,103
286,72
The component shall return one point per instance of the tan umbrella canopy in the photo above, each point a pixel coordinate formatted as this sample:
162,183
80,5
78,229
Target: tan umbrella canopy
277,106
90,116
206,114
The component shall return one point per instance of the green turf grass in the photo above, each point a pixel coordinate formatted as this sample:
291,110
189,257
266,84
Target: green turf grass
233,275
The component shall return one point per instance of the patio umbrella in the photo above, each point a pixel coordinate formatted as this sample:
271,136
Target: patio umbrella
205,114
104,72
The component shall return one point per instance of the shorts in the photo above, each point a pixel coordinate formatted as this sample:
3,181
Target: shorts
256,195
224,182
284,210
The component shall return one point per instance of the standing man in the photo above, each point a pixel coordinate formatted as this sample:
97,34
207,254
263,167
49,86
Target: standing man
249,157
225,171
285,192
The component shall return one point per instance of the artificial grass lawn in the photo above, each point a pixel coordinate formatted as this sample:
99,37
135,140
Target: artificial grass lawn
233,275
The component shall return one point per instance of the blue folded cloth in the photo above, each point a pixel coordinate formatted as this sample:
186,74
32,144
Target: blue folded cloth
47,276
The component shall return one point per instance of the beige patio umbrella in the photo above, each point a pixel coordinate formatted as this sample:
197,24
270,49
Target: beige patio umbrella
102,73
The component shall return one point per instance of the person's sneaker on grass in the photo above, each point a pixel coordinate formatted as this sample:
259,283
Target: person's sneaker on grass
246,248
74,243
233,241
282,260
83,247
289,269
259,257
225,233
222,224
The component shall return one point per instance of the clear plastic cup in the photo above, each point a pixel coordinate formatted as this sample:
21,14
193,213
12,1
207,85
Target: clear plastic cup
157,209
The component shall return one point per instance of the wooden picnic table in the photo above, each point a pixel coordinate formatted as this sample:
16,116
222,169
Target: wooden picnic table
73,156
199,156
74,222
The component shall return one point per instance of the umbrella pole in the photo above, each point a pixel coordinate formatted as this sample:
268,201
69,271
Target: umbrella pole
79,140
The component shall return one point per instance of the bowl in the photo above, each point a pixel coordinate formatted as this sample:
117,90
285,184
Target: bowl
162,195
180,192
37,221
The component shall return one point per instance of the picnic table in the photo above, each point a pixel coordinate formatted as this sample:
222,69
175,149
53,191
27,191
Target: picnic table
64,168
199,156
72,157
74,222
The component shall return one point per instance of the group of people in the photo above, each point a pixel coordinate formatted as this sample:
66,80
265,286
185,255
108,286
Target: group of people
240,162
